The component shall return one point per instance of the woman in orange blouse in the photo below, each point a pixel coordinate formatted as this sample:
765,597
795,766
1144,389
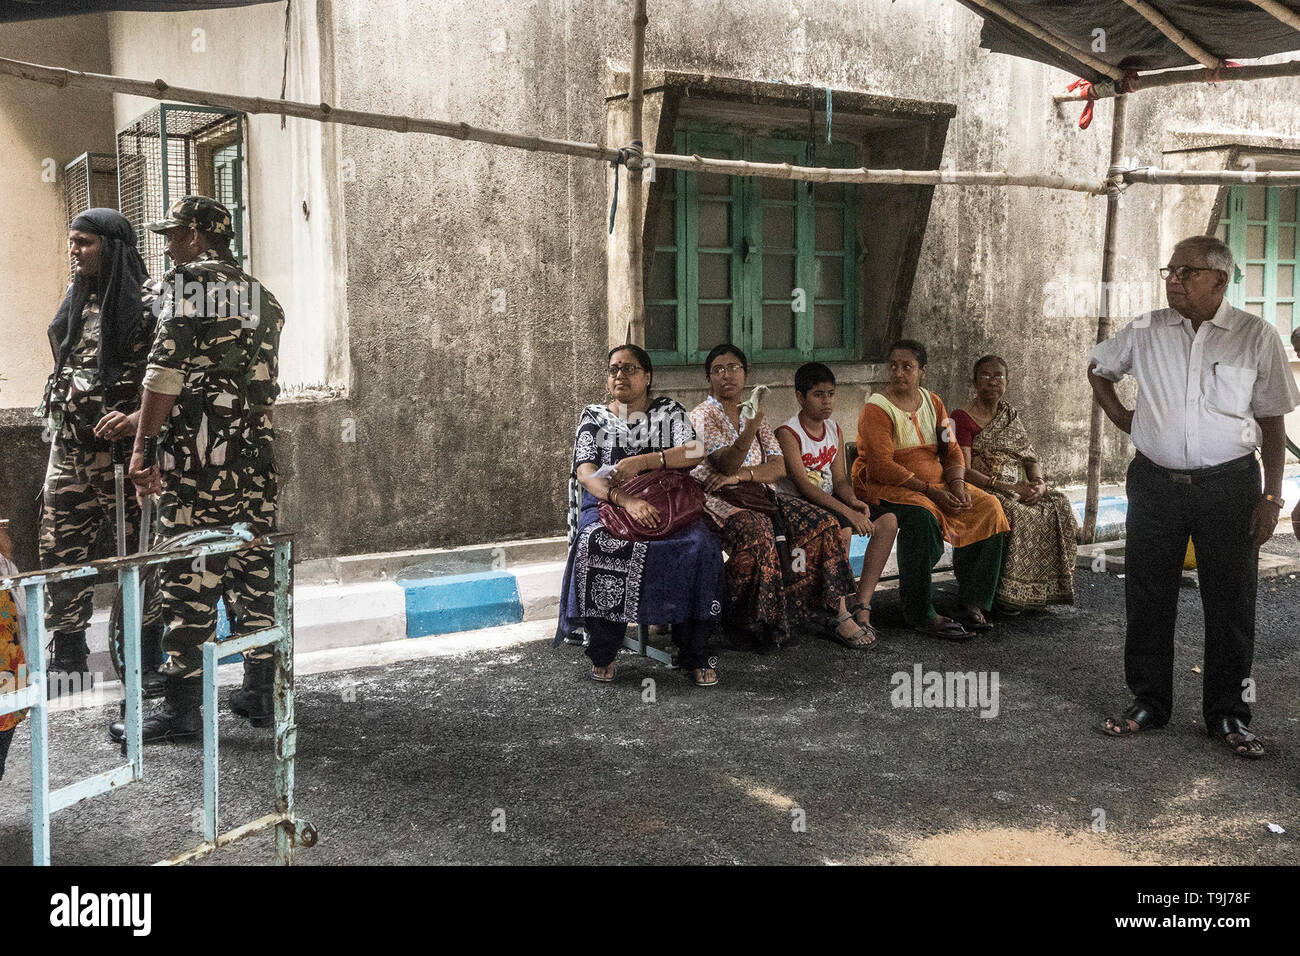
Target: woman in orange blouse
909,464
13,671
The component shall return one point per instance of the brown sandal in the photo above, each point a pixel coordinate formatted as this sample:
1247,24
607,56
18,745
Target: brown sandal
700,676
852,641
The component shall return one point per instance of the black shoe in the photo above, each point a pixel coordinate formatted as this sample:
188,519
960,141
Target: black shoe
152,683
179,718
69,670
254,699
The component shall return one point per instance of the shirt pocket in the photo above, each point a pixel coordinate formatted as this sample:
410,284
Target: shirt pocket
1230,389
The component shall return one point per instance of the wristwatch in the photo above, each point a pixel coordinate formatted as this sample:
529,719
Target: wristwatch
1274,499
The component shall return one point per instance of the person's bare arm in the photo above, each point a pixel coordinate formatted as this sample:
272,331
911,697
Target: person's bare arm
730,458
1273,453
1103,390
154,409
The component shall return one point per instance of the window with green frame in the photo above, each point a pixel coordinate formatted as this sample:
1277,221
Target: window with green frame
1259,225
766,264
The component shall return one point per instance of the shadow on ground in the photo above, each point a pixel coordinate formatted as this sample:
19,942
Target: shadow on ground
414,763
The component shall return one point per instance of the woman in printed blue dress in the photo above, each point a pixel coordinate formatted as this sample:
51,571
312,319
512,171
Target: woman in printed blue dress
609,582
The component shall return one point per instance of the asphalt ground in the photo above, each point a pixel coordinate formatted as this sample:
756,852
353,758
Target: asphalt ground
513,756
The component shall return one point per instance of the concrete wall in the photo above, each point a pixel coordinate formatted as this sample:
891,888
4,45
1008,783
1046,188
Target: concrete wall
475,319
42,129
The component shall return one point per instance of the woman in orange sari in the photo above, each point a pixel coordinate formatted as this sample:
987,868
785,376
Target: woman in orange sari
909,464
13,671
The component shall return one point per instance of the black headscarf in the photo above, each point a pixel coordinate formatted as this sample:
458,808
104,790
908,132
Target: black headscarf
120,282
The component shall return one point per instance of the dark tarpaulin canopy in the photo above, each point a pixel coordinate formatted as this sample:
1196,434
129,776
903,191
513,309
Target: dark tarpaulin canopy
1228,29
43,9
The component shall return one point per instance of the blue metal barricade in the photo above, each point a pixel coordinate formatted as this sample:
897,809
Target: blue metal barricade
289,829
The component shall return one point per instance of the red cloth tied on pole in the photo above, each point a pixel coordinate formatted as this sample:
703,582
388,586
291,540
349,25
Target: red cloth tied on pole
1084,89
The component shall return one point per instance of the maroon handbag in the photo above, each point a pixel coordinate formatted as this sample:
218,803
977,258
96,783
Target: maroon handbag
677,497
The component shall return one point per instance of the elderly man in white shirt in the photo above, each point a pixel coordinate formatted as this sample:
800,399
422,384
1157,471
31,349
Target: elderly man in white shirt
1213,384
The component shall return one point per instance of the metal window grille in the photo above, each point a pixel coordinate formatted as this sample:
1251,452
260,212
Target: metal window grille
174,151
89,182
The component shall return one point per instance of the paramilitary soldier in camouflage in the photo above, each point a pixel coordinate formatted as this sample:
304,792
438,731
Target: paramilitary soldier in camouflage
212,380
100,339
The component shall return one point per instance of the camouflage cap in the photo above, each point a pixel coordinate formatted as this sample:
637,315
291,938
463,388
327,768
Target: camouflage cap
200,212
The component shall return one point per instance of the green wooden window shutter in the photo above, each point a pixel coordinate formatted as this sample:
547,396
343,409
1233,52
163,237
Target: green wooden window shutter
766,264
1259,226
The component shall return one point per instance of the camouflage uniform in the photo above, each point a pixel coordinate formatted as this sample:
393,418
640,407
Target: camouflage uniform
217,461
79,488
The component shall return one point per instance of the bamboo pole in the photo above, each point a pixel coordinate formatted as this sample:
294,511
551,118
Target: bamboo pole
1151,81
905,177
1184,42
635,216
1109,253
321,112
1279,12
1055,42
1225,177
325,113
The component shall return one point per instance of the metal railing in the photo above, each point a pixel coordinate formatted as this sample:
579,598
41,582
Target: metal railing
200,544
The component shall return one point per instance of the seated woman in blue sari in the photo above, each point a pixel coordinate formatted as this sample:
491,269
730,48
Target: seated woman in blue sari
609,582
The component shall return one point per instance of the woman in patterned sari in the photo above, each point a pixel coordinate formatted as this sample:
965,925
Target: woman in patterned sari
1040,552
610,583
767,596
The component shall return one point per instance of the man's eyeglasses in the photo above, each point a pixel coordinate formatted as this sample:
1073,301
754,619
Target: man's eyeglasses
628,370
1182,273
731,369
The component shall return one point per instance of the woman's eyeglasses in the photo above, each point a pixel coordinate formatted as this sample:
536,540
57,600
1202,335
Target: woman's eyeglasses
731,369
628,370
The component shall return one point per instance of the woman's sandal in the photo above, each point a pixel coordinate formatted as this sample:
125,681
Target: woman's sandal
944,628
1119,726
602,678
701,678
859,608
1228,727
851,641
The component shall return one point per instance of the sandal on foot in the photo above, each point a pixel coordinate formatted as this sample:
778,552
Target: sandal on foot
1225,728
945,628
977,625
596,675
1119,726
853,641
702,678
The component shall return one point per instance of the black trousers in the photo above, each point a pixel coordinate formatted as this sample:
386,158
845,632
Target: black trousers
691,638
1215,512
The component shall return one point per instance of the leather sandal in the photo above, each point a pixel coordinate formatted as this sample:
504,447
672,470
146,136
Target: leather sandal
1118,726
852,641
1226,727
701,679
602,678
945,628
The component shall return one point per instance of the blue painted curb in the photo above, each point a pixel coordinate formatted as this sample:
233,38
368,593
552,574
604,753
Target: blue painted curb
461,602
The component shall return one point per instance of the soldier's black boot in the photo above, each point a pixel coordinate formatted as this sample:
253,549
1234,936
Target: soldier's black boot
254,699
69,670
179,718
152,683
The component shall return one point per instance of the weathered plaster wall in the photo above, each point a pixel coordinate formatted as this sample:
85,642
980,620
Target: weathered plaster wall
42,128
